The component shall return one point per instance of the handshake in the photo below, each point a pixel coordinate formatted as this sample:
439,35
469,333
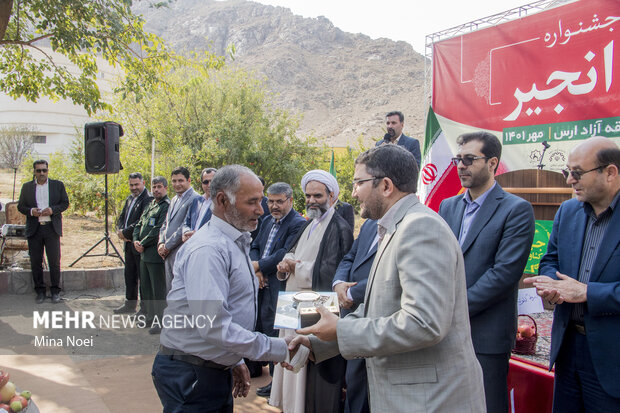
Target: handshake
298,353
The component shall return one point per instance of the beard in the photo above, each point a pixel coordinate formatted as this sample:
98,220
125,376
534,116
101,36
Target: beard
316,211
235,219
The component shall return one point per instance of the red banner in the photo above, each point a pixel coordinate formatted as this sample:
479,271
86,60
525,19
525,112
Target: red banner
559,65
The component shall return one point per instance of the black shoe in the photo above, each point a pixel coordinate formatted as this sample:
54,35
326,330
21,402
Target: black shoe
125,308
55,298
140,312
40,298
264,391
155,330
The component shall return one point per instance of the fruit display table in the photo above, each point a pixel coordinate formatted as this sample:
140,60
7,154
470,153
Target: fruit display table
530,383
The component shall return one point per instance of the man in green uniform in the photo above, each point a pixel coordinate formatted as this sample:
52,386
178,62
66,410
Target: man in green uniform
152,270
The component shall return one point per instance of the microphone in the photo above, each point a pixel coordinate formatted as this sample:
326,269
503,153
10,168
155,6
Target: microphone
387,137
545,144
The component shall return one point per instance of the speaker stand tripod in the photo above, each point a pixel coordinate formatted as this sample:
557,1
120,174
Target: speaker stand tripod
106,237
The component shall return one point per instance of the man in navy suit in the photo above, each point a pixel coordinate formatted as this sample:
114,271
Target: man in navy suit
273,241
580,273
395,121
495,230
350,284
43,201
199,212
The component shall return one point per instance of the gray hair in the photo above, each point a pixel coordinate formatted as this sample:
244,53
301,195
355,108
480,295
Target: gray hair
228,180
280,188
160,180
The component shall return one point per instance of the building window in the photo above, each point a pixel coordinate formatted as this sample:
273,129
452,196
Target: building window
39,139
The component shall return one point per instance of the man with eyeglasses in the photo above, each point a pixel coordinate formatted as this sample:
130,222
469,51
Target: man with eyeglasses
495,230
199,212
580,274
43,201
274,239
412,328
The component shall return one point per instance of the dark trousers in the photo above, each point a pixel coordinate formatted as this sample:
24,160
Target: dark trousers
153,288
132,273
357,387
576,388
267,303
184,387
45,237
495,375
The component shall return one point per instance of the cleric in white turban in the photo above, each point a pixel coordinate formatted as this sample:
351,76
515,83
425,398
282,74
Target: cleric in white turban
323,177
311,264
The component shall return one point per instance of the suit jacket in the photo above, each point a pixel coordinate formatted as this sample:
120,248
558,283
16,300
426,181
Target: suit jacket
496,250
147,229
142,202
346,211
172,229
602,313
58,201
355,266
409,143
290,226
191,219
413,327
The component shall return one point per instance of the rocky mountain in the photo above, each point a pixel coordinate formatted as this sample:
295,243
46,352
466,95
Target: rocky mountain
341,83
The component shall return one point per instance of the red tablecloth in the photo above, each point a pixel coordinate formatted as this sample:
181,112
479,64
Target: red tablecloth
530,387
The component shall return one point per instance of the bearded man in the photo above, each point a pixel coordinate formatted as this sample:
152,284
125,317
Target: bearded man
213,303
310,265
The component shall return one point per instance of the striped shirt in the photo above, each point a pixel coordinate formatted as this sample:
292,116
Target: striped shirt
596,229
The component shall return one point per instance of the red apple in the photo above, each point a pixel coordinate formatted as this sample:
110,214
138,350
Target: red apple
5,407
528,331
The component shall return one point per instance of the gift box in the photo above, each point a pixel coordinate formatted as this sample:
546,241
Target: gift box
310,316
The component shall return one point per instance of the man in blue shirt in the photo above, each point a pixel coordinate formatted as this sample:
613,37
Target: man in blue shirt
212,305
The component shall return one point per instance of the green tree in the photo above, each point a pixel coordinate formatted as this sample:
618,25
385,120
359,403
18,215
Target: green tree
15,145
80,30
214,117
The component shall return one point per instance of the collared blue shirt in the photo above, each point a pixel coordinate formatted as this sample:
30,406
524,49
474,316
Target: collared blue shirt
471,210
213,277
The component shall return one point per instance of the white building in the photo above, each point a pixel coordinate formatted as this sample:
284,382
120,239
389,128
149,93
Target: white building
56,122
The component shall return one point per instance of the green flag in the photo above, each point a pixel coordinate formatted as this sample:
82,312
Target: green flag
332,167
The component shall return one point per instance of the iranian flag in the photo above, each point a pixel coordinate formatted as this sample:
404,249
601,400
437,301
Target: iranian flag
438,177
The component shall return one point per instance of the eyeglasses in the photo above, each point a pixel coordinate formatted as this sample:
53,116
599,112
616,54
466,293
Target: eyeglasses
206,182
40,170
278,202
357,182
578,174
467,159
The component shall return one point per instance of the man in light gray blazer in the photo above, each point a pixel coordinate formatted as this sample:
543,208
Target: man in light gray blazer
413,328
171,232
495,230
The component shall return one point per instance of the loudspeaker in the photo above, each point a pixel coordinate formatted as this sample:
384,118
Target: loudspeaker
101,147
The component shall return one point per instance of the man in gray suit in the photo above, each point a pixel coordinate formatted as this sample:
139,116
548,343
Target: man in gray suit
495,230
412,329
171,232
